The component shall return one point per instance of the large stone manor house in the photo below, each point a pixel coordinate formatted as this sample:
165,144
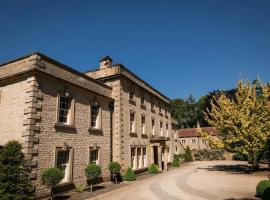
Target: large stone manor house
68,119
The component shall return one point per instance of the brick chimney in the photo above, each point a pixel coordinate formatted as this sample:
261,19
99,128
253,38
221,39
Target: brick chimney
105,62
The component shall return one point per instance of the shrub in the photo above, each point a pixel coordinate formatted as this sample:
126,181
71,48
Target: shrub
266,194
114,167
261,186
153,169
51,177
209,154
14,176
175,161
240,156
80,188
92,172
129,175
188,155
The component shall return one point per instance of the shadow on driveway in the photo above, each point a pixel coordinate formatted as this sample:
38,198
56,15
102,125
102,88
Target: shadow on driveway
234,169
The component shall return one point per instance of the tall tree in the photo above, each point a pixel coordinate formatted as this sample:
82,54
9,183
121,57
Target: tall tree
244,121
14,177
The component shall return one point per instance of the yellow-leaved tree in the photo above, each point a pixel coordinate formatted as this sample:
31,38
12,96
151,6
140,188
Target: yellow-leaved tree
244,121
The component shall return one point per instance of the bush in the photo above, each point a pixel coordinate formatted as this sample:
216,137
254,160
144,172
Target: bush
92,172
129,175
266,194
261,186
175,161
80,188
188,155
209,154
14,176
153,169
240,156
114,167
51,177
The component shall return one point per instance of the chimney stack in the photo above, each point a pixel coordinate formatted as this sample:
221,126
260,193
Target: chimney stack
105,62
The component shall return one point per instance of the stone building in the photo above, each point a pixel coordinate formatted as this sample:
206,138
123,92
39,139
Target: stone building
192,137
68,119
142,126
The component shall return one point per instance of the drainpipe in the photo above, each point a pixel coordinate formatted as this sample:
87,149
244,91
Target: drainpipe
111,106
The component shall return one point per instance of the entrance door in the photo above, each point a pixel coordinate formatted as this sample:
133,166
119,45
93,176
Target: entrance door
155,148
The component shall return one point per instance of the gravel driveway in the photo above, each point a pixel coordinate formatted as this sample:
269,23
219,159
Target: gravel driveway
206,180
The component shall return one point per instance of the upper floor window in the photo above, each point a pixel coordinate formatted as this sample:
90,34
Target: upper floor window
64,115
152,105
161,128
153,126
183,141
142,100
131,96
167,130
143,124
160,109
95,116
132,122
193,140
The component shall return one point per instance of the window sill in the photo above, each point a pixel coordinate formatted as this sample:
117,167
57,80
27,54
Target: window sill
133,134
144,135
132,102
65,126
95,130
143,106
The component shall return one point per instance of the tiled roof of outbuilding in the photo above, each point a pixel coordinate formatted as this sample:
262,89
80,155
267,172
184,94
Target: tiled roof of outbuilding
194,132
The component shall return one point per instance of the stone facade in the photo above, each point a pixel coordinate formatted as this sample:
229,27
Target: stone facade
67,119
148,105
191,137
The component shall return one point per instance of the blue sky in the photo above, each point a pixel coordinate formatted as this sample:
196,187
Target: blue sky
180,47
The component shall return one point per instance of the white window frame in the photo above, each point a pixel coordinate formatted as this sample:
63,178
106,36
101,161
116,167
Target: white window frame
153,126
97,117
133,157
70,112
143,124
68,166
161,128
98,157
132,122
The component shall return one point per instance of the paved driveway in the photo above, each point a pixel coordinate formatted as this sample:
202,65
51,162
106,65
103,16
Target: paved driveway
194,181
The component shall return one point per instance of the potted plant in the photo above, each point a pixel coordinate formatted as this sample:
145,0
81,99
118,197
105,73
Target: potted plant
92,172
51,177
115,168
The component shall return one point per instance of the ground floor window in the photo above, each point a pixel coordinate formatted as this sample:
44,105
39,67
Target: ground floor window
138,157
64,163
94,155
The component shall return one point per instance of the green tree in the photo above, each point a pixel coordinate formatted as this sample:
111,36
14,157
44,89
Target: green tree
92,172
51,177
115,169
244,122
188,155
14,176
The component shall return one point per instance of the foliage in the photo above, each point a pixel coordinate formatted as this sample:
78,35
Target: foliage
240,156
80,188
209,154
92,172
14,177
176,161
129,175
261,186
266,194
114,167
153,169
188,155
52,176
244,121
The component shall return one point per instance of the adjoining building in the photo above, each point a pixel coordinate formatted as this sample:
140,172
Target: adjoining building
68,119
192,137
